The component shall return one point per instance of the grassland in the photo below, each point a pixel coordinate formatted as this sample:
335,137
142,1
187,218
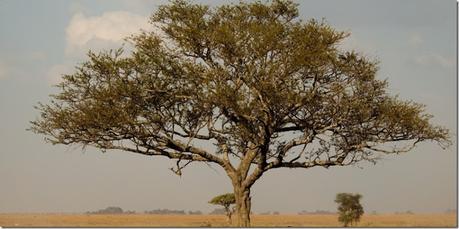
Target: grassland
141,220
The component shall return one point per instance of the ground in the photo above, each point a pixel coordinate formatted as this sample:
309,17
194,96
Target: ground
142,220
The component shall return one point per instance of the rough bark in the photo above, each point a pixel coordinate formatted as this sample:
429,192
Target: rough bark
243,205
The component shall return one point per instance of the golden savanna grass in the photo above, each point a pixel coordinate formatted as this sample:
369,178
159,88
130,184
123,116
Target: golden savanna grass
141,220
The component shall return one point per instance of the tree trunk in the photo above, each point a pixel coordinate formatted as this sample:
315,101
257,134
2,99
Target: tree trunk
228,214
243,201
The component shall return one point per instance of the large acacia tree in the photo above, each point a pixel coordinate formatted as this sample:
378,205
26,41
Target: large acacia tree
266,89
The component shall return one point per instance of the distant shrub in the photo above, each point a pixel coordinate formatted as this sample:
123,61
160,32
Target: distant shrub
108,210
194,213
349,208
165,212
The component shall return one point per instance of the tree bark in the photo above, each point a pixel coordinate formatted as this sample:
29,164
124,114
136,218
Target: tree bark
243,202
228,214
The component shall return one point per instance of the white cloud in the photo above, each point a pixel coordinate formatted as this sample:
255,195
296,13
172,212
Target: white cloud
96,33
434,59
101,32
415,40
54,74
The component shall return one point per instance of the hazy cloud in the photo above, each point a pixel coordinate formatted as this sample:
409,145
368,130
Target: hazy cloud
415,40
77,7
434,60
96,33
144,6
353,43
388,13
38,56
54,74
108,29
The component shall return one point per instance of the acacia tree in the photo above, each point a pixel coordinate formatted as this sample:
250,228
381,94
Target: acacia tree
266,89
349,208
225,200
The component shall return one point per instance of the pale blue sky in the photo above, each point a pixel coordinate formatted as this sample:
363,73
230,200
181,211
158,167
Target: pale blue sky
415,40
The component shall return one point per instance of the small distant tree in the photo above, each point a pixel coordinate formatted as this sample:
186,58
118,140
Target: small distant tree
225,200
350,210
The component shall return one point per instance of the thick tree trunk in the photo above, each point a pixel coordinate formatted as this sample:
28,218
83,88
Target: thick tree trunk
243,201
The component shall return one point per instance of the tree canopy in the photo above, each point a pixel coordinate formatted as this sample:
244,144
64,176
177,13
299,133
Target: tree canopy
225,200
266,89
350,210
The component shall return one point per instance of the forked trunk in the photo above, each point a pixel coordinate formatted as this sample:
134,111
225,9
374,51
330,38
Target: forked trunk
243,201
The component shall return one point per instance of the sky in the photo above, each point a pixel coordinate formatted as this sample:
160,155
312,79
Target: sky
414,40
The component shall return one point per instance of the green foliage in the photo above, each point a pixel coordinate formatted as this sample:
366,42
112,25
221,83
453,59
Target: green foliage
245,74
224,200
250,78
350,210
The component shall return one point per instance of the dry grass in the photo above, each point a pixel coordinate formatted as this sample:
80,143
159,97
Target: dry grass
140,220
